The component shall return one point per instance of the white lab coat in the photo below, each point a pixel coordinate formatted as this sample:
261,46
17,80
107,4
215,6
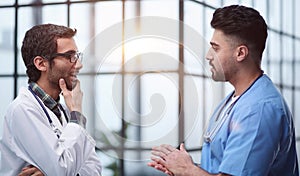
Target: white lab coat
28,139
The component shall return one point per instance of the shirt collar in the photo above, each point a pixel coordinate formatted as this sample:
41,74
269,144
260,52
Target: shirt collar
46,99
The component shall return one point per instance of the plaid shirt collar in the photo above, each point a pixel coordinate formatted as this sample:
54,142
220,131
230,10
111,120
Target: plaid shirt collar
46,99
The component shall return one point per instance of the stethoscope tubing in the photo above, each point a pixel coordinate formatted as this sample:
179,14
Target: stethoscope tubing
210,134
55,129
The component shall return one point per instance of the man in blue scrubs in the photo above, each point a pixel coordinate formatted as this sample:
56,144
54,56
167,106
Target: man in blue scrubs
251,132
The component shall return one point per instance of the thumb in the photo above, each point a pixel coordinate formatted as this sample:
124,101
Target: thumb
182,148
62,84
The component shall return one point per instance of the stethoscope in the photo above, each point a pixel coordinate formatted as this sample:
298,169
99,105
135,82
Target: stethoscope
214,127
54,128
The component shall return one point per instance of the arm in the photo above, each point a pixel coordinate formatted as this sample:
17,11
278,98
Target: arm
92,166
36,143
34,140
176,162
73,100
255,134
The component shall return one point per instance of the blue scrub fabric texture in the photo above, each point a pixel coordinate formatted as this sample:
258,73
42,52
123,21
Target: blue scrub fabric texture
256,138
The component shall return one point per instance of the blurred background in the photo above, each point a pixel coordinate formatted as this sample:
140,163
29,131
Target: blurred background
147,90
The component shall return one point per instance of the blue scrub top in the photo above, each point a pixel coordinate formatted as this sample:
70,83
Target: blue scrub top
257,137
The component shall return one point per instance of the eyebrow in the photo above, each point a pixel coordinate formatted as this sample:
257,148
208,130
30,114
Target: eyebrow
70,51
213,44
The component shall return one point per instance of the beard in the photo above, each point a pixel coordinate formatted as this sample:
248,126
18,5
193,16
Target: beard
70,83
218,76
55,75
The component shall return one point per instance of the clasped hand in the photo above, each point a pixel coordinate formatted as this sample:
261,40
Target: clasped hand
170,160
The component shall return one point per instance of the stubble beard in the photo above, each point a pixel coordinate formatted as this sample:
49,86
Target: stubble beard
70,84
218,77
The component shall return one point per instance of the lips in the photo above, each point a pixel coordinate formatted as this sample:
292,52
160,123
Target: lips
73,76
212,69
211,64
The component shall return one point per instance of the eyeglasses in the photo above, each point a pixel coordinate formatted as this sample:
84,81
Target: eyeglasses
73,56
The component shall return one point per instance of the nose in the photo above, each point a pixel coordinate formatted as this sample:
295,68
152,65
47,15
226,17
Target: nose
78,64
209,54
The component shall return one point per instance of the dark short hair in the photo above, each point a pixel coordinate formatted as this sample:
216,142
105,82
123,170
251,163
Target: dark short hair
41,40
243,23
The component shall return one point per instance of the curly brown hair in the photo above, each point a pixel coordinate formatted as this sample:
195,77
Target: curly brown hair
41,40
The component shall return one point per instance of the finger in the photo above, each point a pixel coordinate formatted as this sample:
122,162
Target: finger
78,83
38,173
182,148
169,147
160,167
25,168
151,164
157,150
158,153
169,173
28,171
155,165
159,161
21,174
62,85
166,149
77,87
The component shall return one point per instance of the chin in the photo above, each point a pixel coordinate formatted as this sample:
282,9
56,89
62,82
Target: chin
70,88
218,78
71,85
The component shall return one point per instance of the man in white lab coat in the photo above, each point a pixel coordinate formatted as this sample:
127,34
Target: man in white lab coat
40,136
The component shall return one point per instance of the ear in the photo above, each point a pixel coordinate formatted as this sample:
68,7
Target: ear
40,63
242,52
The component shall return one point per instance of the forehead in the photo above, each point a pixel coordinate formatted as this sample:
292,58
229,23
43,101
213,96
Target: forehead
220,39
66,44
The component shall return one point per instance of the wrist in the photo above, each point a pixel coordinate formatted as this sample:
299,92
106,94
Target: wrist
192,170
77,117
76,109
188,170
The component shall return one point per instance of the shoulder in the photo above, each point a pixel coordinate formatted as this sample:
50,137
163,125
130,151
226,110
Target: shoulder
262,100
263,108
263,92
24,99
24,105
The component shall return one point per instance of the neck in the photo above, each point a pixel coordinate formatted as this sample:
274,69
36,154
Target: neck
49,89
242,83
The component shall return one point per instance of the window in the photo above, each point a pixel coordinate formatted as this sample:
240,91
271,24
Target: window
145,85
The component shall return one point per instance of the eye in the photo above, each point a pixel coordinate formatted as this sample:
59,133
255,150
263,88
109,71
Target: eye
71,53
215,48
